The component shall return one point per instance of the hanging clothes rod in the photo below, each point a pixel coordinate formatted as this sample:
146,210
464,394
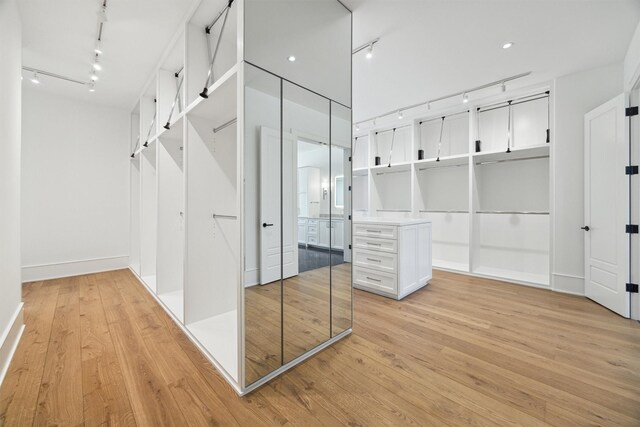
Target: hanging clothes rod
514,101
391,172
225,216
442,167
227,124
514,212
490,162
218,16
392,129
430,101
441,211
447,116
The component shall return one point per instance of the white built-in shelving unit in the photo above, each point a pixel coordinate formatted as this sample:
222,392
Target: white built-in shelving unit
189,222
482,178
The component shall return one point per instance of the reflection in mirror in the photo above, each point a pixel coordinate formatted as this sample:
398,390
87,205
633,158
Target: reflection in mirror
341,295
263,286
306,226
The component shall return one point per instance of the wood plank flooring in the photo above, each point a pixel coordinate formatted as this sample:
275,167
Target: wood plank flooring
98,350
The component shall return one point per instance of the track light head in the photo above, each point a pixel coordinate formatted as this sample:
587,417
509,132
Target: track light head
357,127
369,54
374,122
92,87
35,79
465,98
98,48
94,76
96,65
400,115
503,87
102,14
428,105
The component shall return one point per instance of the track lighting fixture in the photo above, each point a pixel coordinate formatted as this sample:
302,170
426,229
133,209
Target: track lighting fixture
369,54
368,46
374,122
400,115
92,87
98,48
94,76
507,45
96,65
465,98
35,78
357,128
503,87
428,105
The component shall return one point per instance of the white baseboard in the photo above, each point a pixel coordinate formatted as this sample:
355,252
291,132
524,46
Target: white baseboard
567,284
32,273
9,341
251,277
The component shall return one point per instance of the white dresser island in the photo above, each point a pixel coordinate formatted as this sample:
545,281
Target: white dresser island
391,257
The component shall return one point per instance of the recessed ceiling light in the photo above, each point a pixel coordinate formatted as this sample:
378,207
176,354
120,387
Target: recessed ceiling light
507,45
291,58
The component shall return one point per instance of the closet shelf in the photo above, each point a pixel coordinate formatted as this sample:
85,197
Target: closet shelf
515,154
222,94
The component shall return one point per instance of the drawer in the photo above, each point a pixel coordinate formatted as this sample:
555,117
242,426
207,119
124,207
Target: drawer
375,280
312,229
374,244
312,222
377,230
302,222
312,240
377,260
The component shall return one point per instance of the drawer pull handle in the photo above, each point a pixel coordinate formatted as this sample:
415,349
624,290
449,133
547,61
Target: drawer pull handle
375,280
374,260
374,231
374,244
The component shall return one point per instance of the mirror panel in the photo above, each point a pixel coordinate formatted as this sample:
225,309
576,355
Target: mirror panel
321,46
341,293
306,207
263,221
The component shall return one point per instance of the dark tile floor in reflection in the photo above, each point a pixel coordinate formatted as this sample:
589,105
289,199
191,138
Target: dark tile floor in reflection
311,258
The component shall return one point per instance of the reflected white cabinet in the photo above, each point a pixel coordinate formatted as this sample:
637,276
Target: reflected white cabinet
308,191
321,233
391,257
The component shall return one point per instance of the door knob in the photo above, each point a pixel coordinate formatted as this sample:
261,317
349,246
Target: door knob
585,228
265,225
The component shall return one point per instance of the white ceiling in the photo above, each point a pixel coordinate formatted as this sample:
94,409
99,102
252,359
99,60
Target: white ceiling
431,48
427,48
58,36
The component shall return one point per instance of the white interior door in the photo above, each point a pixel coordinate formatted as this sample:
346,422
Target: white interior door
278,232
606,206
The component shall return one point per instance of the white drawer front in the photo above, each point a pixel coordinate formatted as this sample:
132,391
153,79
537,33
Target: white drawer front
312,229
312,240
377,260
382,231
302,222
371,279
385,245
312,221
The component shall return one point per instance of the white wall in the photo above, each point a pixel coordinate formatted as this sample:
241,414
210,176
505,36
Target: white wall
10,100
575,95
632,61
75,190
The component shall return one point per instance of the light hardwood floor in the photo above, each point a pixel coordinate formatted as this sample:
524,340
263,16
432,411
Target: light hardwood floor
98,350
